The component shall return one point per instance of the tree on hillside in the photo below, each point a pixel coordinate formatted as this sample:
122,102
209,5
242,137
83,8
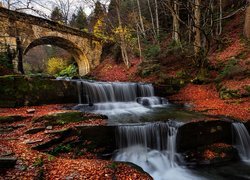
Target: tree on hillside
66,7
121,31
79,20
97,16
56,15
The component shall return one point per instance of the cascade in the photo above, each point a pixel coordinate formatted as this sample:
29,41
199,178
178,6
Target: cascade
114,91
152,147
126,102
242,140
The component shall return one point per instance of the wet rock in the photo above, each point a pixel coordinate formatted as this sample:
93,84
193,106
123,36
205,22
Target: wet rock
33,141
99,136
7,153
4,130
247,124
20,126
35,130
7,162
55,140
7,129
49,127
17,90
57,132
21,167
30,111
197,134
11,119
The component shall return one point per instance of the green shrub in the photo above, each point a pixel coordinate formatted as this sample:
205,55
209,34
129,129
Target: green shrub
61,149
150,69
230,69
152,51
55,65
4,61
69,71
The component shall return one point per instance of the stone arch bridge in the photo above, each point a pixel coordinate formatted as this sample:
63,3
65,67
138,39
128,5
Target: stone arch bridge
27,31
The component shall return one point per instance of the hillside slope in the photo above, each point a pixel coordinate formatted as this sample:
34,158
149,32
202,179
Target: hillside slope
227,89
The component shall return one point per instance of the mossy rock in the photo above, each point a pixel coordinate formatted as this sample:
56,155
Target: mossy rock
11,119
226,93
196,134
62,118
35,130
170,86
35,90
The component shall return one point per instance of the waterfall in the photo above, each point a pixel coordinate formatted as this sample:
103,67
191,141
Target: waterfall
115,91
242,140
121,102
79,91
152,147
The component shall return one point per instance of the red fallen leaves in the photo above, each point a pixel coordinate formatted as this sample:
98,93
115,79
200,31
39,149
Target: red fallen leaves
210,153
34,162
40,110
91,169
109,70
205,98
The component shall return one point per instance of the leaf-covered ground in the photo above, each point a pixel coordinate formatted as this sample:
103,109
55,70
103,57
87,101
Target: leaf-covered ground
32,164
205,98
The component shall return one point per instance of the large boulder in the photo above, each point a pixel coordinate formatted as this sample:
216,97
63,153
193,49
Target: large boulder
35,90
197,134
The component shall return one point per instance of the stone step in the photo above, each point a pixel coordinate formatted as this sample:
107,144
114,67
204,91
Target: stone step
7,162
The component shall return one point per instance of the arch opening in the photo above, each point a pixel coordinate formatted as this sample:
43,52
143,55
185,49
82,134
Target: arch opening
61,43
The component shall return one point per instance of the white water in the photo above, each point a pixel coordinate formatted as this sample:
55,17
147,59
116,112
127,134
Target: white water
242,141
114,91
153,148
130,101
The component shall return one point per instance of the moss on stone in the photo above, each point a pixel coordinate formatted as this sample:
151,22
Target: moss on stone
34,90
65,118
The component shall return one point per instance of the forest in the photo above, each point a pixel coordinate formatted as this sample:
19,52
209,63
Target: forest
125,89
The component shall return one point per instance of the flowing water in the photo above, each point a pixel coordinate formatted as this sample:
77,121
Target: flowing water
127,102
153,147
242,140
145,134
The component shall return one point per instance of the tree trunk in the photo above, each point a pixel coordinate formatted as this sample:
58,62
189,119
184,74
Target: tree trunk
176,22
152,20
247,22
219,25
157,18
20,55
122,38
139,42
197,32
140,17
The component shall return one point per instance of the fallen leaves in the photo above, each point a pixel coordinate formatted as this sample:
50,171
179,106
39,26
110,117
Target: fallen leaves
31,164
205,98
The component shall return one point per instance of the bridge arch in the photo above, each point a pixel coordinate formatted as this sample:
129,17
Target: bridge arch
74,50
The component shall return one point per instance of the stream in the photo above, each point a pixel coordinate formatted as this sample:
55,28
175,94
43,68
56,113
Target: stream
148,127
